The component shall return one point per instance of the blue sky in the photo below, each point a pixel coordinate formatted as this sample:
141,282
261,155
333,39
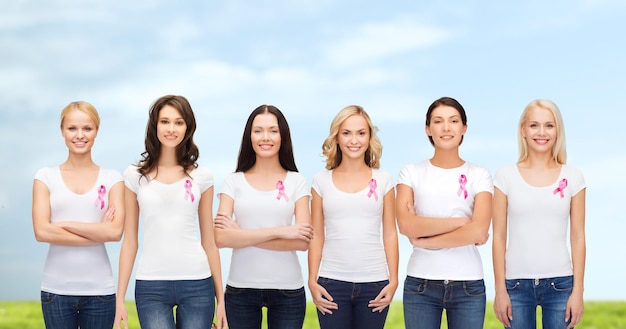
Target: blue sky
312,58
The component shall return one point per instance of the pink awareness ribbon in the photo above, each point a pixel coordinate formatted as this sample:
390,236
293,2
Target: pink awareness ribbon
188,193
562,186
373,186
462,189
100,200
281,191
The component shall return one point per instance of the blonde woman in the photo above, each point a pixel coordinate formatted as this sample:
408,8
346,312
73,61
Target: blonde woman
77,207
534,202
353,273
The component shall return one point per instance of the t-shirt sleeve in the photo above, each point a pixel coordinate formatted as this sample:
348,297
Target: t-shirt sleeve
228,186
302,188
579,181
42,176
405,176
131,178
388,182
316,185
501,179
204,178
485,183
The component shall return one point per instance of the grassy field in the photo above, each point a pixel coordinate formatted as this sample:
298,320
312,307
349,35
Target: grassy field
598,315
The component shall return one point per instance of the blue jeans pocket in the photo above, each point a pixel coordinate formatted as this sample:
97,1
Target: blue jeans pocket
474,288
292,292
565,283
414,286
47,298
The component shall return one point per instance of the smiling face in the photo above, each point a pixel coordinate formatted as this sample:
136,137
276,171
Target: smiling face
446,127
539,130
265,135
79,131
171,127
353,138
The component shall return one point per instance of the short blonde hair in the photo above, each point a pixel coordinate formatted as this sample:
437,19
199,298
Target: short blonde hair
559,154
83,107
333,153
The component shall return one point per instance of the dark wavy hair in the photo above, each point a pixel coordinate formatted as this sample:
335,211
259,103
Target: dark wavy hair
186,152
247,156
447,101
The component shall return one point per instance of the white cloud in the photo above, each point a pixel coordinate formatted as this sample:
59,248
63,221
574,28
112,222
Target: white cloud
373,42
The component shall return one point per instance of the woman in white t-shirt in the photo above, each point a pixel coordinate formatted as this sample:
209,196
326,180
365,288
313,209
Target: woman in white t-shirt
444,207
353,273
533,203
77,206
255,218
174,196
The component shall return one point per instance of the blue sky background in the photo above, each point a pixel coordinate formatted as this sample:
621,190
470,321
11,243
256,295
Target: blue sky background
312,58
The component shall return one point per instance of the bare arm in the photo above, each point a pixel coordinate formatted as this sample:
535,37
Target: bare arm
128,253
575,307
303,217
44,230
502,302
107,230
231,236
390,243
321,298
413,226
205,217
476,232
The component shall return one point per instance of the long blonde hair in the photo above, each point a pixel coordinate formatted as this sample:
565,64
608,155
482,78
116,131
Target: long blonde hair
333,153
559,154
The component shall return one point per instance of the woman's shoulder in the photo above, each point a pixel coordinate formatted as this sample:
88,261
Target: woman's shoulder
113,174
201,171
131,171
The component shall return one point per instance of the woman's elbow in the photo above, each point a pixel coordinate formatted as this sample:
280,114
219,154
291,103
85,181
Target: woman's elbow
302,246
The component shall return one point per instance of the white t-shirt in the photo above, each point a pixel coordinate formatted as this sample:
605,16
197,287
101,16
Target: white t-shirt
538,219
169,213
353,250
78,270
445,193
253,267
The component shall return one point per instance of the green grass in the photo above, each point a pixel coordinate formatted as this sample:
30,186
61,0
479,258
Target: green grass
598,315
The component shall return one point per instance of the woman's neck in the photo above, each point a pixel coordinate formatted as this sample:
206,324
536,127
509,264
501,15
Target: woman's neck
447,158
79,161
266,166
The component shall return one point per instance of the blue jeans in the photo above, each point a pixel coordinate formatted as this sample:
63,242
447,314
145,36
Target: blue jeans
285,308
352,300
425,300
70,312
551,294
195,301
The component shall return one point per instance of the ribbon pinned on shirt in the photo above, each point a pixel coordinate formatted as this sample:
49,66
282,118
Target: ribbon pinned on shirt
372,191
188,193
462,189
562,186
281,191
100,200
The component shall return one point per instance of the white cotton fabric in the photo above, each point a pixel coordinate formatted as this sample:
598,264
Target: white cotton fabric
437,193
538,219
171,247
353,250
77,270
253,267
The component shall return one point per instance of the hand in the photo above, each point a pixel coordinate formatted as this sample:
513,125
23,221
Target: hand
321,298
574,309
220,315
502,308
121,315
108,215
383,299
298,231
222,221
